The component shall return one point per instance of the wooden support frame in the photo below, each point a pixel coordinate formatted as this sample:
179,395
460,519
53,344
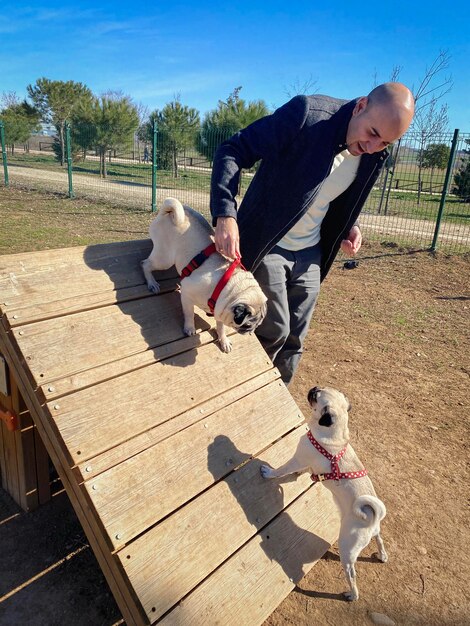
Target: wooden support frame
158,438
24,462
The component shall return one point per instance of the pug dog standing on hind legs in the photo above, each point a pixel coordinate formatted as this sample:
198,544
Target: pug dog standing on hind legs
223,288
320,451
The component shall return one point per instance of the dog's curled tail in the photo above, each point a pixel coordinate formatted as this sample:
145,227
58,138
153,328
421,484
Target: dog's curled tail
175,209
369,509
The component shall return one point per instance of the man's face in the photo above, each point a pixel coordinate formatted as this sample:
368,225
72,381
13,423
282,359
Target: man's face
373,128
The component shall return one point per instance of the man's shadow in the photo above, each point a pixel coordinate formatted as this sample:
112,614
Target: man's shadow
159,317
262,500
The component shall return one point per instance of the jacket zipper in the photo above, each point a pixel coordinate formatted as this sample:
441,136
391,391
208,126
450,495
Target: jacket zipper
324,263
294,219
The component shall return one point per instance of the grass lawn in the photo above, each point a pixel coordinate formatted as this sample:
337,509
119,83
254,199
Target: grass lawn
36,221
405,204
400,203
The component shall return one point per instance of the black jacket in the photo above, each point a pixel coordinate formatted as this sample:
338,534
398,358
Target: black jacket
297,145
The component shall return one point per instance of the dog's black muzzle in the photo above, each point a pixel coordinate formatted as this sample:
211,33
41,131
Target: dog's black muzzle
325,419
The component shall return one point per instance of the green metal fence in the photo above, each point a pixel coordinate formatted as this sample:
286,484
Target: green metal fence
421,199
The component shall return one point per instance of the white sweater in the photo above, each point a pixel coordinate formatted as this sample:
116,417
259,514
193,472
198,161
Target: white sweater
306,232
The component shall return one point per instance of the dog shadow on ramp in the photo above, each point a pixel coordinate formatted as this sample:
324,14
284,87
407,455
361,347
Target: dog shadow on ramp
144,321
273,509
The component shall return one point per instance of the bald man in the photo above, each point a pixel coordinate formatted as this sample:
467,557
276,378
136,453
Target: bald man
319,159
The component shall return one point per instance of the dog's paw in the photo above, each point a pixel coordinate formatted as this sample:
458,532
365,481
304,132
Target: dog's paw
381,556
153,286
225,345
266,472
350,596
189,330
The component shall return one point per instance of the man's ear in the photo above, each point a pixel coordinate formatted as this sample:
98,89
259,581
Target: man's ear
361,105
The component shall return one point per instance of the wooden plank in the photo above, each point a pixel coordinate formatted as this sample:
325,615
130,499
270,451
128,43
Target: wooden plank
11,477
169,560
25,450
124,596
249,586
131,363
18,453
29,263
74,343
83,302
132,496
27,279
25,453
131,404
3,472
42,469
114,456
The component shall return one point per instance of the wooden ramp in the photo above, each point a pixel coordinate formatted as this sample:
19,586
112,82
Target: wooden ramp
158,438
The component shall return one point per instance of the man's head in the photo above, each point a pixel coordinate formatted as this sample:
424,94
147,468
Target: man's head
380,118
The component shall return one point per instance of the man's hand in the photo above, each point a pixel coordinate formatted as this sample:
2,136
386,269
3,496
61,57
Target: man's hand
351,245
227,239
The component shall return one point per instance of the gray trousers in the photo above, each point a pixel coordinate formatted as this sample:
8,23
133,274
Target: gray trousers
291,282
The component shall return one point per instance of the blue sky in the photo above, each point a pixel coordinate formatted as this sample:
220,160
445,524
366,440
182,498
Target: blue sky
202,50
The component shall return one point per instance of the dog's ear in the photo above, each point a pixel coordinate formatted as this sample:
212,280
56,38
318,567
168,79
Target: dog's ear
312,395
348,403
240,311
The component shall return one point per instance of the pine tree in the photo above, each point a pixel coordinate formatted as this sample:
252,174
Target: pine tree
56,101
20,120
106,122
230,116
177,126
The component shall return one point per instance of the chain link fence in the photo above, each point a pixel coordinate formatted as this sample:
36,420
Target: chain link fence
421,199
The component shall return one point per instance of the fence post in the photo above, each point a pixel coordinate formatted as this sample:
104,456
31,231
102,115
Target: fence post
154,165
394,158
450,165
68,152
4,154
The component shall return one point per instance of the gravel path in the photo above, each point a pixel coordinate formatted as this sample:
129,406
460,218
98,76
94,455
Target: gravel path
139,196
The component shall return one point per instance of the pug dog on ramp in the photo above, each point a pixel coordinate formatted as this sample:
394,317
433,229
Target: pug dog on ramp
325,452
223,288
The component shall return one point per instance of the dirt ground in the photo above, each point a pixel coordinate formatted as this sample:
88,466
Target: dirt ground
393,334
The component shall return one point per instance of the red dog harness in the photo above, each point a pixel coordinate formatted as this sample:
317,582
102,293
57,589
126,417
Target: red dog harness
335,474
198,260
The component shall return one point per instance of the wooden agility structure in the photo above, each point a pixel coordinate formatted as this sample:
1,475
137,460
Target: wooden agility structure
157,438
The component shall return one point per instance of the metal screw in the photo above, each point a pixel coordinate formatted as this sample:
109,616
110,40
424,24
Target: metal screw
206,426
21,332
51,389
56,406
15,317
118,536
88,468
94,487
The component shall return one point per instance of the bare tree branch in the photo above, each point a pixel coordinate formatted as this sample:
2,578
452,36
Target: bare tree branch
8,99
297,87
440,63
395,74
